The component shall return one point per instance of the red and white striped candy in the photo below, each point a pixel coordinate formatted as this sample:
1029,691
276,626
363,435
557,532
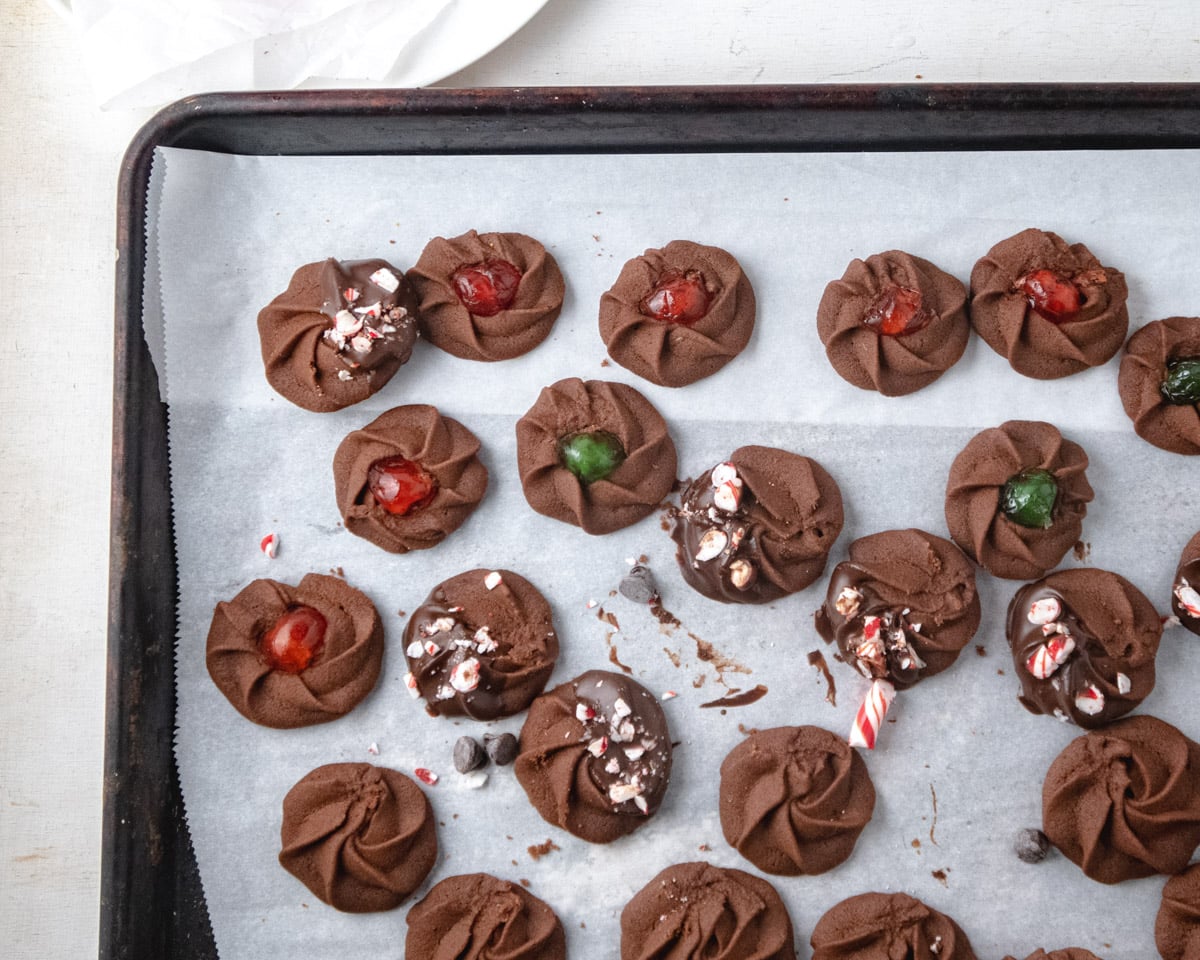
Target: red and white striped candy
269,545
1050,656
1045,610
1090,701
1188,599
870,714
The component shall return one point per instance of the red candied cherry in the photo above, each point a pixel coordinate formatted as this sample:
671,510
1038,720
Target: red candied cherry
294,642
487,287
897,311
677,298
400,486
1051,295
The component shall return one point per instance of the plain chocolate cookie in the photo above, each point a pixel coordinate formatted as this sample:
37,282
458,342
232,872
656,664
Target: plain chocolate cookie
885,926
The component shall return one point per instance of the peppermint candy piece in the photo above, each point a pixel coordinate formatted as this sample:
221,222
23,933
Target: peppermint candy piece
1046,610
383,277
465,676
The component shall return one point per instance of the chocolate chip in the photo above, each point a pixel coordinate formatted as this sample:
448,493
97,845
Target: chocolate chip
1031,846
502,748
638,585
468,755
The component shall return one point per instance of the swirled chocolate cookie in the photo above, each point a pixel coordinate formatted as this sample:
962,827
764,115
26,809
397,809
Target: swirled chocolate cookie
338,333
887,926
1177,925
487,296
794,799
1083,644
1051,309
360,837
757,527
294,656
1159,382
695,911
482,645
481,917
594,454
1185,590
596,756
1016,498
902,607
408,479
1069,953
894,323
1124,802
678,314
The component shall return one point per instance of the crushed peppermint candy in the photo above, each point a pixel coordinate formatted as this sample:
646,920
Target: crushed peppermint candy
373,749
598,747
269,545
1188,598
415,650
465,675
712,542
1090,701
426,775
1050,655
728,496
847,602
1124,684
584,713
621,708
444,692
384,278
668,695
492,580
1046,610
623,792
724,473
432,648
345,375
474,779
410,684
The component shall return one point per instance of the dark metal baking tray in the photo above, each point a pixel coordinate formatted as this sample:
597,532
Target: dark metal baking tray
151,901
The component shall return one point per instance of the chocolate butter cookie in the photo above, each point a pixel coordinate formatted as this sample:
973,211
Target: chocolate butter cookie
1159,382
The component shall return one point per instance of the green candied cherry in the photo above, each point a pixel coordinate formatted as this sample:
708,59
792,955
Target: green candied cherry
1181,385
591,456
1028,498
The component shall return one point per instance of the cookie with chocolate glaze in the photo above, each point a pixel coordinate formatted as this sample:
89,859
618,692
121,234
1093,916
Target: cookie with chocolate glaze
1124,802
1083,644
757,527
487,296
338,333
1159,382
1185,589
482,645
1051,308
894,323
294,656
679,314
408,479
480,917
595,454
902,607
360,837
596,756
1177,925
884,926
695,911
1016,498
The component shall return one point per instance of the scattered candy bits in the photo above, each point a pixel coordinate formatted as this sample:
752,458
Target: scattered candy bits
269,545
493,580
869,717
373,749
426,776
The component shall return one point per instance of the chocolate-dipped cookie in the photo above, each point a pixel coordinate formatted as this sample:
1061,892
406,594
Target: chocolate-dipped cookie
596,756
480,917
1177,925
695,911
1051,309
1083,644
408,479
1159,382
678,314
793,800
293,656
894,323
594,454
487,296
1124,802
885,926
902,607
482,645
1185,589
1068,953
360,837
1016,498
338,333
757,527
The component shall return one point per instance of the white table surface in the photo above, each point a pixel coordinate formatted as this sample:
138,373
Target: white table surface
59,157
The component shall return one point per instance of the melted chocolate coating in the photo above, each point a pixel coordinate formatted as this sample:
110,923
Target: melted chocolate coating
632,491
360,837
481,917
1169,426
341,675
695,911
794,799
676,354
1185,589
893,365
974,489
1177,926
902,607
888,926
1068,953
441,446
777,537
447,324
1037,347
1093,659
1124,802
323,363
596,756
481,653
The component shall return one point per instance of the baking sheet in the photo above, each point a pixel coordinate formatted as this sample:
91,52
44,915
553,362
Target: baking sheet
960,769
